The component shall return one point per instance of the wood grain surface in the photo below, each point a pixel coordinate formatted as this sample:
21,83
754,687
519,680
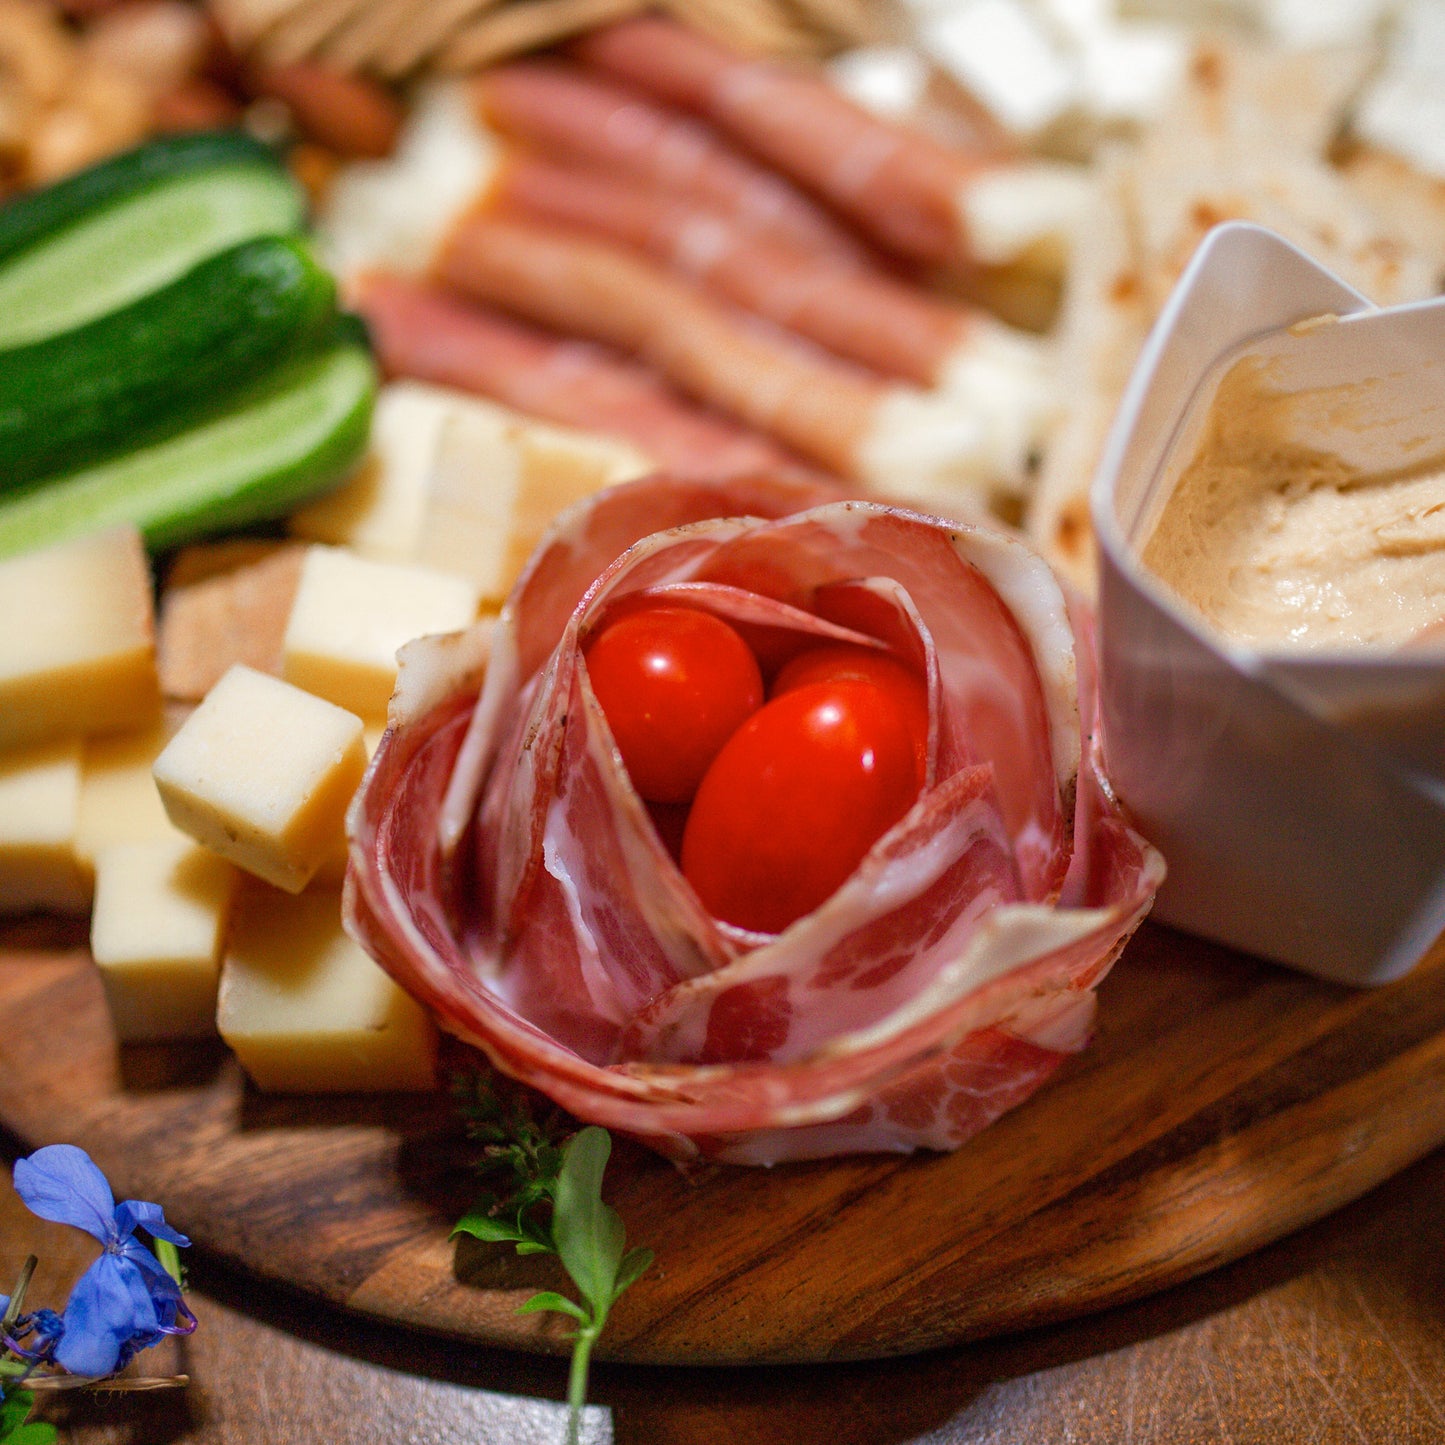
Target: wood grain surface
1224,1103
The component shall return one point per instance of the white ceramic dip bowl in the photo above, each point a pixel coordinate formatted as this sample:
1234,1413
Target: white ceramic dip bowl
1298,794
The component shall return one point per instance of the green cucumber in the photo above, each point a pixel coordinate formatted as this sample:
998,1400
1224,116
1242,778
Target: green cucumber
150,368
105,236
287,440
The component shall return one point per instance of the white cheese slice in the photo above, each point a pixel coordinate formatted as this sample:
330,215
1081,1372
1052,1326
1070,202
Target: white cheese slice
1403,110
1030,207
307,1011
381,509
160,915
889,80
1000,52
77,652
262,773
497,488
395,212
39,808
350,616
119,802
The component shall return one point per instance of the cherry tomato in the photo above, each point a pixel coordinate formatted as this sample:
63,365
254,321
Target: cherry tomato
675,684
865,664
795,799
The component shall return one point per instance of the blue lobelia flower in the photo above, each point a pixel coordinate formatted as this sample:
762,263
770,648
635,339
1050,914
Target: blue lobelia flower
125,1301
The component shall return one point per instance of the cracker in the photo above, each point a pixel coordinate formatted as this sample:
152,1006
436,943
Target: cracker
213,618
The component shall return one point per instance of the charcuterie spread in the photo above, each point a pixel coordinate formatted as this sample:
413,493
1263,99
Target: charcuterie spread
503,866
661,654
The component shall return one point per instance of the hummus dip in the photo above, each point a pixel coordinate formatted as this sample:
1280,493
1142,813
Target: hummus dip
1284,547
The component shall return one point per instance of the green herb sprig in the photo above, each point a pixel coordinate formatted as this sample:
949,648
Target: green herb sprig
555,1206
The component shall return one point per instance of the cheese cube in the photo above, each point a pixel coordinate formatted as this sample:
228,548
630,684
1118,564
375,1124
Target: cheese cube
119,802
494,494
77,654
350,616
462,485
307,1011
262,773
379,511
160,916
39,806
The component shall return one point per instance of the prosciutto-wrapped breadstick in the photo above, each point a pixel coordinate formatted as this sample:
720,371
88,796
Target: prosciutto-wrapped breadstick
505,871
854,309
565,113
423,332
848,421
912,195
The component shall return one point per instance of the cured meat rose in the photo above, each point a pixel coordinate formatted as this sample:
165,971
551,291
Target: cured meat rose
504,870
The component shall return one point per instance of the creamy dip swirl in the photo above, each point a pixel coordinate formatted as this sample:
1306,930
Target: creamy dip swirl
1285,547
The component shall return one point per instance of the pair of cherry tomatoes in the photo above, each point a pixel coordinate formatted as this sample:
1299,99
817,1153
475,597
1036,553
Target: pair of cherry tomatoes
786,796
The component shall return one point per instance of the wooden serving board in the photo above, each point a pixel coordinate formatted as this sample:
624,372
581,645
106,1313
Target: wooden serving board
1224,1103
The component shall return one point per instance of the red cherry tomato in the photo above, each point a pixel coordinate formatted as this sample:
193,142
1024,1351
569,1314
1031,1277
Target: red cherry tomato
795,799
675,684
865,664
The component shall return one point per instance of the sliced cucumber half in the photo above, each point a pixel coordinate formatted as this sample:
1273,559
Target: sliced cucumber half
290,439
140,233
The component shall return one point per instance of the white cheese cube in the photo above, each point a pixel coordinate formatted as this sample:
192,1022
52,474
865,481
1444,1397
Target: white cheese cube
77,653
307,1011
39,807
262,773
160,915
394,212
495,491
119,802
1000,52
379,512
350,616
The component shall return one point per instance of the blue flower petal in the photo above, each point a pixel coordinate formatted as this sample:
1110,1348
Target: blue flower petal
60,1183
108,1308
158,1280
133,1212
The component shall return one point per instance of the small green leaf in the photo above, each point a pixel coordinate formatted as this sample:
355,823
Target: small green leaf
549,1299
14,1429
634,1262
589,1234
478,1223
530,1246
35,1432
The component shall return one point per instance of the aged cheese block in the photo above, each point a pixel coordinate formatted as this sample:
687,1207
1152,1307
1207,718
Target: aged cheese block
462,485
379,511
307,1011
119,802
39,809
77,653
262,773
352,613
160,915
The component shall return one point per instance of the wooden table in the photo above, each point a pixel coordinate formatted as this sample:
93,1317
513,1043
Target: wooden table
1335,1334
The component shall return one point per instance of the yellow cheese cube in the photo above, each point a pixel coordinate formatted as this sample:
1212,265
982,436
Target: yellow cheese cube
352,613
307,1011
494,494
462,485
160,916
39,806
119,802
262,774
77,654
378,512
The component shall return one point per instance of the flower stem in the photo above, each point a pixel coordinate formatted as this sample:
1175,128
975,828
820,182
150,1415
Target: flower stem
577,1381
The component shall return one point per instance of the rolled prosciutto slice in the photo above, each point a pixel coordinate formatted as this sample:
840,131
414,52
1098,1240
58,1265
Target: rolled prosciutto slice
908,193
504,870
